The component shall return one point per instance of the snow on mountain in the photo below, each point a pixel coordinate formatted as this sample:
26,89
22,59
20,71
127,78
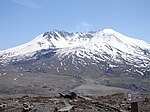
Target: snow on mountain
82,44
107,57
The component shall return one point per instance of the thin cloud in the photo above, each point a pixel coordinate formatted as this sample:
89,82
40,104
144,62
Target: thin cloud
27,3
84,26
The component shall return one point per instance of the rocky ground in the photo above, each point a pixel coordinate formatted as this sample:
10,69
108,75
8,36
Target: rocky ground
77,103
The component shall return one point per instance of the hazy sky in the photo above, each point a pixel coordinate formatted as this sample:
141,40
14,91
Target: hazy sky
22,20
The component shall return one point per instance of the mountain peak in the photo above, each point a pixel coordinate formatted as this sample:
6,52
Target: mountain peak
112,31
108,30
59,39
92,55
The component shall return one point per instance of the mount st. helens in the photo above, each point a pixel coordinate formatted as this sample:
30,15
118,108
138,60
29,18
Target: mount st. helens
100,58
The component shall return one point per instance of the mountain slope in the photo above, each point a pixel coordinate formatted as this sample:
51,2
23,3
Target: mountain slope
61,39
104,45
106,57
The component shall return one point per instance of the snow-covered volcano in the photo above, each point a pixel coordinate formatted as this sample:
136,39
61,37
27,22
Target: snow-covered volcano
106,41
105,56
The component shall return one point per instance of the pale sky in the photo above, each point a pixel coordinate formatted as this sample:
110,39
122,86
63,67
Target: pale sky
23,20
